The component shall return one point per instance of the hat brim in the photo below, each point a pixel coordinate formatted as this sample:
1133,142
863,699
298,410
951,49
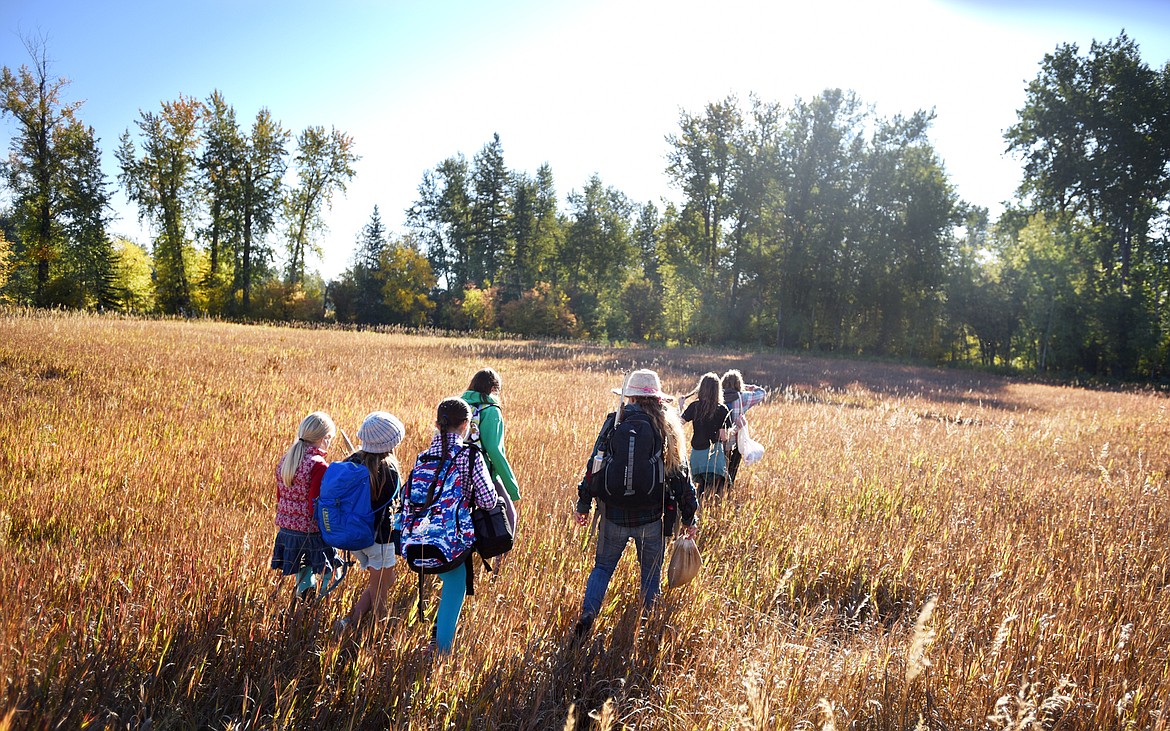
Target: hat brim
652,394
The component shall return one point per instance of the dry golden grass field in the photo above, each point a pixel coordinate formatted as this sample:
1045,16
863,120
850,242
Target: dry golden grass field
917,549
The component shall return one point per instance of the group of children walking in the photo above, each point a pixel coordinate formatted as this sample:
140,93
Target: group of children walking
639,474
479,475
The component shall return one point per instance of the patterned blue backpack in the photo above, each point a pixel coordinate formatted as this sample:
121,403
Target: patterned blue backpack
437,533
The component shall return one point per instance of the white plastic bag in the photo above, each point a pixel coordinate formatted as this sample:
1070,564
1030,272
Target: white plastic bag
751,450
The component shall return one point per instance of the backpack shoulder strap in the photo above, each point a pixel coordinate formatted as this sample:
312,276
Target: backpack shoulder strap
484,406
441,473
606,429
474,449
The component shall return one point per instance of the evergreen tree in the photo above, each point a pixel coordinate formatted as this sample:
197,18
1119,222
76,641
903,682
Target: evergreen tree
367,272
489,214
89,254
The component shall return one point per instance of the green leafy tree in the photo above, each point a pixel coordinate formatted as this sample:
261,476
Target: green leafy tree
701,163
542,311
324,166
904,242
1094,134
822,145
441,219
478,309
1046,262
36,163
407,281
162,182
133,276
6,259
219,164
751,202
595,255
642,303
970,262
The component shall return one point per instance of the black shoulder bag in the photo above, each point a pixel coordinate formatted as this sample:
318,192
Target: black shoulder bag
494,535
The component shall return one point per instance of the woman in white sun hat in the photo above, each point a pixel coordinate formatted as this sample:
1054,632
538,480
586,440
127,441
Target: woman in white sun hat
640,485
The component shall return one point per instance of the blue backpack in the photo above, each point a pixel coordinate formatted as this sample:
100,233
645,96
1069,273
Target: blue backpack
344,513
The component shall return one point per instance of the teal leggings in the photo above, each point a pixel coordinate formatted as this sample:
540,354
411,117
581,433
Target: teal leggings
450,605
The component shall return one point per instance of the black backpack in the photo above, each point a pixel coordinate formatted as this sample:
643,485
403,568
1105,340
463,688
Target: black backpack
631,473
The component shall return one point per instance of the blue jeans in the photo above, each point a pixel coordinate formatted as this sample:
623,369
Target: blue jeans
611,543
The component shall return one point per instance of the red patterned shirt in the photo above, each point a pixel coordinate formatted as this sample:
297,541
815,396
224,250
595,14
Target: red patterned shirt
294,503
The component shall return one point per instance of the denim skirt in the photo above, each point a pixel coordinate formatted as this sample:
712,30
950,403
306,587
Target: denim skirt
294,549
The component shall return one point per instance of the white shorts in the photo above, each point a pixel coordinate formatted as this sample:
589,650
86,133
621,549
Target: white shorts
377,557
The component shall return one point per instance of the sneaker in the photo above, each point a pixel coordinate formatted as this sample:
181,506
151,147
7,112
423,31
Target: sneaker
581,630
340,626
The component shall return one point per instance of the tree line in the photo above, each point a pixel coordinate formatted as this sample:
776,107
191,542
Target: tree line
816,225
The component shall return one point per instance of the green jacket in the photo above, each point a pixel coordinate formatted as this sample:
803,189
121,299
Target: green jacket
491,436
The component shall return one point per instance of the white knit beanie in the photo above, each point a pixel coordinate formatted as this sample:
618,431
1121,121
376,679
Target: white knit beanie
381,432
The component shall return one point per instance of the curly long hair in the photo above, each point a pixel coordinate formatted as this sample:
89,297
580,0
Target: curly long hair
665,419
733,380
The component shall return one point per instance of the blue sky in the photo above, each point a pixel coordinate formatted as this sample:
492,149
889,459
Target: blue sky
592,86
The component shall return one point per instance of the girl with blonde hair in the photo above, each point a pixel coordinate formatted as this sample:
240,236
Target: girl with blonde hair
298,548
